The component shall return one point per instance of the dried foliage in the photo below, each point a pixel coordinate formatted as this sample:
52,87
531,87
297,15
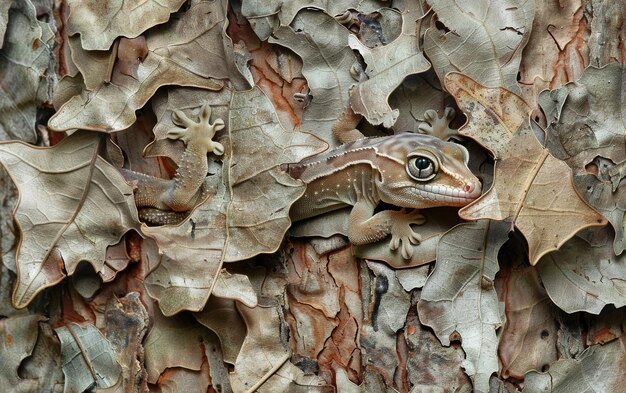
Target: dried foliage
104,287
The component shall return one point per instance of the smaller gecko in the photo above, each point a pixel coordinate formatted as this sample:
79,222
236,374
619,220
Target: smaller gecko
185,190
410,171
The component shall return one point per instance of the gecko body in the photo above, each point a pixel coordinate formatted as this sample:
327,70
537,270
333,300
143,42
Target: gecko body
410,171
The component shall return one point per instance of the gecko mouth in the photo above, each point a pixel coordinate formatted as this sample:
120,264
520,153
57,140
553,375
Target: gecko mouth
448,195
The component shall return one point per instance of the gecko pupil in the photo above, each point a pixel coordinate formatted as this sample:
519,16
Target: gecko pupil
422,163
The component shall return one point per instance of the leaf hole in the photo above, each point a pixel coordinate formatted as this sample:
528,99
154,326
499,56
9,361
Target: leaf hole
545,368
545,334
441,27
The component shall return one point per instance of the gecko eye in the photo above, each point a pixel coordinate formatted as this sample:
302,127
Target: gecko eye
421,168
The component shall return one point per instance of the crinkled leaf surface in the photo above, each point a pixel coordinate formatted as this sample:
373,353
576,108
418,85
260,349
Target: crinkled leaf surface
4,19
598,369
322,43
536,192
189,51
579,277
494,114
88,359
459,297
27,76
387,66
587,118
72,205
483,39
18,336
174,342
606,191
100,23
258,216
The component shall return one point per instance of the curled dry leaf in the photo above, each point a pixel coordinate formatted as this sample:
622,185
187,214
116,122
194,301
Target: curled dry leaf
322,43
606,191
579,277
387,66
587,118
494,114
87,357
586,373
482,39
536,192
195,57
72,206
258,214
100,23
174,342
459,297
18,336
27,78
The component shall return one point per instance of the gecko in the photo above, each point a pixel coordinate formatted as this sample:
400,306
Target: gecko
166,200
410,171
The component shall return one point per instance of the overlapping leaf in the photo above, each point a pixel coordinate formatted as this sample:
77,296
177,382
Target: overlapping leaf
579,277
73,204
387,66
190,51
482,39
536,192
459,295
322,43
100,23
88,358
494,114
27,78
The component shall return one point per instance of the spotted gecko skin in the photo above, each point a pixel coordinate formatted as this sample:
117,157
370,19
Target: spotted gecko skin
410,171
185,190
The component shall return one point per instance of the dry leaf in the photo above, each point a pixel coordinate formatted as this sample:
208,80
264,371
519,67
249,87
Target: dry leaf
72,206
99,23
579,277
88,359
18,336
190,51
4,19
221,316
588,373
587,118
482,39
174,342
387,66
258,214
322,43
536,192
459,297
494,114
27,78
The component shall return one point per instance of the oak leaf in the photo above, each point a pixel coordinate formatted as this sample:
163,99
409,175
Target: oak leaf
72,206
536,192
100,23
387,66
483,39
494,114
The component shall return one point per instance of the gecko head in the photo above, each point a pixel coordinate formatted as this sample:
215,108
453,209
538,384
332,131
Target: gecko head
424,171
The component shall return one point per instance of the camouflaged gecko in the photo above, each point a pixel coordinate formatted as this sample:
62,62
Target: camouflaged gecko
408,170
184,191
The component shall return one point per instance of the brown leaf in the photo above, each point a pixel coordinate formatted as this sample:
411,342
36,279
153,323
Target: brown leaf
387,66
190,51
322,43
73,204
494,114
221,316
27,78
536,192
99,24
482,39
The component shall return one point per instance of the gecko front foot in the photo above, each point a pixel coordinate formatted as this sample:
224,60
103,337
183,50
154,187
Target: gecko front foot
402,235
200,133
439,127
